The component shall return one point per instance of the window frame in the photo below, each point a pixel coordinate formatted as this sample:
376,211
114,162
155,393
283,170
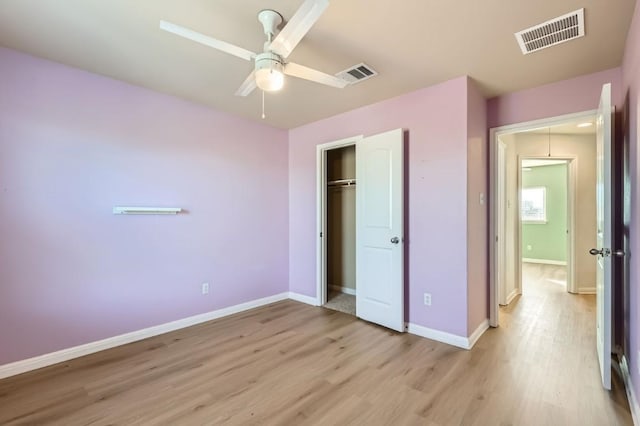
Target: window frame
532,221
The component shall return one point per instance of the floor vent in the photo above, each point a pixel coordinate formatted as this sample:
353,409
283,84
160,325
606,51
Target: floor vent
357,73
559,30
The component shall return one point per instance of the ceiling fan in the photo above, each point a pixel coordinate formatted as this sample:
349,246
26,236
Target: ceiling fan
270,65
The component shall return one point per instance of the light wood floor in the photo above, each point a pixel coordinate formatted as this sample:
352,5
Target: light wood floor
292,364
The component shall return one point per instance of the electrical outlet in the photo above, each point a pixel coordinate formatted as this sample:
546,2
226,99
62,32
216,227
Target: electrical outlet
529,247
205,288
427,299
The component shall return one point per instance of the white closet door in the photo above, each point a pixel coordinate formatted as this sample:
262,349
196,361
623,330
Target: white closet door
379,230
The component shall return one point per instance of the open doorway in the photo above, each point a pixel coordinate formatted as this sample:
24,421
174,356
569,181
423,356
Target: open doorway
341,229
546,218
545,209
573,318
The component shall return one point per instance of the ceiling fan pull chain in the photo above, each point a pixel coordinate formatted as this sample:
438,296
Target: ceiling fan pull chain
263,116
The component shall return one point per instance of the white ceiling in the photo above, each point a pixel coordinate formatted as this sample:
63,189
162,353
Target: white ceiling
412,44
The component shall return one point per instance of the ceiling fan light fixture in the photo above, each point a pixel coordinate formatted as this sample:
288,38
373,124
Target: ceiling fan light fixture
269,72
269,80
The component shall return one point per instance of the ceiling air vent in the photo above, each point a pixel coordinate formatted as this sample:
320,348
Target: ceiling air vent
357,73
556,31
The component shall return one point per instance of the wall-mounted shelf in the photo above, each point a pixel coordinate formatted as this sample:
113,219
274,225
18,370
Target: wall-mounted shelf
146,210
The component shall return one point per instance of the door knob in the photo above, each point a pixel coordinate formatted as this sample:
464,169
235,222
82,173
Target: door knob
595,252
395,240
619,253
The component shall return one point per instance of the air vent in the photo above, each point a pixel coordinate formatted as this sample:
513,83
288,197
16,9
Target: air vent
357,73
559,30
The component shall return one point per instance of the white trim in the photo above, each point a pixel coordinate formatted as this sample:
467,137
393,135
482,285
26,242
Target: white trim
512,296
631,394
439,336
493,186
309,300
475,336
545,261
587,290
501,224
63,355
321,216
448,338
341,289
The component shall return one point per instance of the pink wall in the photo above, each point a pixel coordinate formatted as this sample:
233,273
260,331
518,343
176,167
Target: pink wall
551,100
435,119
631,86
477,214
73,145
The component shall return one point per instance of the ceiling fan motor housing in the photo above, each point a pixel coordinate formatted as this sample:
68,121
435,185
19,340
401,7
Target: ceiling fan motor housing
269,71
270,20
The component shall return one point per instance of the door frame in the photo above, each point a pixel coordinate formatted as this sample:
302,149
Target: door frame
572,170
495,238
321,212
501,221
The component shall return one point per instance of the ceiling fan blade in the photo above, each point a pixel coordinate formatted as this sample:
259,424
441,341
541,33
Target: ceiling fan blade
247,86
207,41
299,24
310,74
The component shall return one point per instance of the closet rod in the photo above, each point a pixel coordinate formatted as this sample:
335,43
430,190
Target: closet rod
342,182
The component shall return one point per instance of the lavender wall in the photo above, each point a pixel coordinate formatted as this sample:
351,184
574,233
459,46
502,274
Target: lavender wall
435,119
73,145
551,100
631,86
477,213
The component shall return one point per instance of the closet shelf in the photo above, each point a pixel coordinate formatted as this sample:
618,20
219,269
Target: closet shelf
342,182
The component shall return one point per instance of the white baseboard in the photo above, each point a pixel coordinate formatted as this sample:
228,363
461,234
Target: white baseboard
63,355
309,300
439,336
545,261
631,394
448,338
345,290
484,326
587,290
512,296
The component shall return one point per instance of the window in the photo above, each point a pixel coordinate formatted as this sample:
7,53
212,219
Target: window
534,205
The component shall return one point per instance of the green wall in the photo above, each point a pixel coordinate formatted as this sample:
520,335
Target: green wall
548,241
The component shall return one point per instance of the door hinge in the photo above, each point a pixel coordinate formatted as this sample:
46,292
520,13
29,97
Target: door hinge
321,235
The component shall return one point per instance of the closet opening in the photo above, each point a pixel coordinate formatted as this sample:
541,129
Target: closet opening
340,273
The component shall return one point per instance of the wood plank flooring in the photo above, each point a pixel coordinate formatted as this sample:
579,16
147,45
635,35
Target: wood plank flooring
293,364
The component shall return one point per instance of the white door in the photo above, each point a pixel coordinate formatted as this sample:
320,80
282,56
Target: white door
603,239
379,230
